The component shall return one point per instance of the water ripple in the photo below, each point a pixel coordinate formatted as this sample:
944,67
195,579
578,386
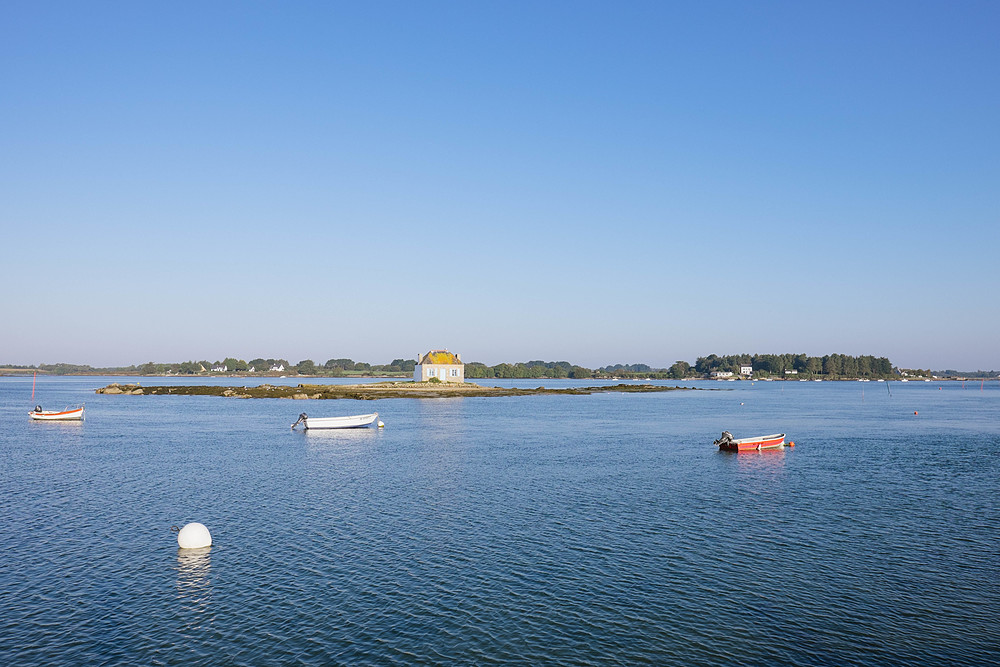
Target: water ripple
573,530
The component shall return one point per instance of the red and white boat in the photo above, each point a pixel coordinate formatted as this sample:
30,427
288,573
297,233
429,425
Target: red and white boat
69,414
731,444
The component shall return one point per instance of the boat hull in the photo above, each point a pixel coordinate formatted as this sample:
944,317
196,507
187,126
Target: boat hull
774,441
75,414
354,421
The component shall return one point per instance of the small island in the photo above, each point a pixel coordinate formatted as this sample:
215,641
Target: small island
372,391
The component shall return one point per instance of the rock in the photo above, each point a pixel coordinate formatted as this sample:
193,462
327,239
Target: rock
300,397
113,389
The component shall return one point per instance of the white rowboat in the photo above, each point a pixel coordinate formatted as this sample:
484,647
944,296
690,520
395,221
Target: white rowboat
69,414
354,421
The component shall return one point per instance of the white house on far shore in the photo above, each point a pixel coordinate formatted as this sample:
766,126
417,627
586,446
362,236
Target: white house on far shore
440,364
746,369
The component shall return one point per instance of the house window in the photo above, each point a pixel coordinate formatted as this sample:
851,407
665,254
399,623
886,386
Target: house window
430,372
454,372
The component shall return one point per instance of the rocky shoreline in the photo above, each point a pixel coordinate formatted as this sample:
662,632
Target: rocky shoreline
372,391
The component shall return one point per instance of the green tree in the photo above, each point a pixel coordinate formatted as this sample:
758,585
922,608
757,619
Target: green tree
679,370
404,364
706,365
189,368
306,367
503,371
476,369
234,364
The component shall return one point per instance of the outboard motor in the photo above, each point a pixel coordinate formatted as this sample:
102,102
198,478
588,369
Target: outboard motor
301,420
725,439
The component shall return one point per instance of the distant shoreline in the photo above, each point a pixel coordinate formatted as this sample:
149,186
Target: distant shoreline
20,372
372,391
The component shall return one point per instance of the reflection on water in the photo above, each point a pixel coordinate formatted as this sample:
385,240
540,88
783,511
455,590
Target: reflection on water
345,439
67,426
58,433
346,434
194,586
764,459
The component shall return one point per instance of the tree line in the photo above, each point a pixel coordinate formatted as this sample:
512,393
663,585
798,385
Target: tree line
528,369
332,367
830,365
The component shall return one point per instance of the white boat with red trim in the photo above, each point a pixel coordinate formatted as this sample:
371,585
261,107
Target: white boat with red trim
67,414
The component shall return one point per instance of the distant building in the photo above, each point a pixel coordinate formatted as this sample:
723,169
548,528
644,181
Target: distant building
746,369
220,369
722,374
791,372
251,370
277,368
440,364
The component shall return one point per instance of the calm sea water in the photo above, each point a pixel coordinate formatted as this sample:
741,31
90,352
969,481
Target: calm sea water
595,529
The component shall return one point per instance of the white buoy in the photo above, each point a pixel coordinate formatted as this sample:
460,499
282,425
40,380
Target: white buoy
194,536
381,424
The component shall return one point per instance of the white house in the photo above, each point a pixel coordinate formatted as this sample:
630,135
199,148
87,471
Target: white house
278,368
746,369
440,364
722,374
220,369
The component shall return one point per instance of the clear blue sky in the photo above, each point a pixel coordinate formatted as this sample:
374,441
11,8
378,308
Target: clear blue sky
594,182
